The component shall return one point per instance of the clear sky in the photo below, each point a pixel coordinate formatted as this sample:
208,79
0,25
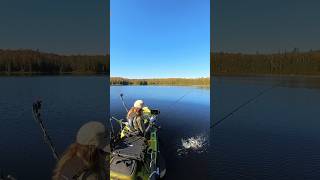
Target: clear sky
59,26
160,38
265,25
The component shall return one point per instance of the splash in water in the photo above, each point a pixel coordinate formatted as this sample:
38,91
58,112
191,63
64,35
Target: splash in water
193,144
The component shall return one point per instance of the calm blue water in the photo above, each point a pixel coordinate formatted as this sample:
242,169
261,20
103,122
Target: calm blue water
68,102
275,137
184,118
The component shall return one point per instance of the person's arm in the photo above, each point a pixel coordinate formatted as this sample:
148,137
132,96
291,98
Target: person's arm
146,114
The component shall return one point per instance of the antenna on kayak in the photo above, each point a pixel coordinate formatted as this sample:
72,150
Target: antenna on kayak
36,107
123,103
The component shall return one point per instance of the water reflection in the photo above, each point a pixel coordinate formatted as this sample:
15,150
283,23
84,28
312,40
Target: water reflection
274,137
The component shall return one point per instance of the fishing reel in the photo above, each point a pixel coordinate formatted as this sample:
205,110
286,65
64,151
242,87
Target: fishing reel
36,107
154,111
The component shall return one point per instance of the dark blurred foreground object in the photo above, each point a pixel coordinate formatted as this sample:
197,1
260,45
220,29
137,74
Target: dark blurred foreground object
7,177
88,157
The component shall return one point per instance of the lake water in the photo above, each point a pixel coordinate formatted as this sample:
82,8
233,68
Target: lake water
185,113
68,102
277,136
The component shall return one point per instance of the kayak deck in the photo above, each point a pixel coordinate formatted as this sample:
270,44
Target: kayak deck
131,147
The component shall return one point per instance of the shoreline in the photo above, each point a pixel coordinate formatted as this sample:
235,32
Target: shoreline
267,75
202,85
180,85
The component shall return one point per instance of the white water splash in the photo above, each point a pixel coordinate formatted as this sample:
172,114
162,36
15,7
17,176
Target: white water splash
193,144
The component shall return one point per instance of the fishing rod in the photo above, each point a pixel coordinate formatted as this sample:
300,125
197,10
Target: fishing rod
243,105
169,106
36,108
153,112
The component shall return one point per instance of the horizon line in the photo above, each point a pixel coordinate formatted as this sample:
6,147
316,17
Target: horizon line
160,77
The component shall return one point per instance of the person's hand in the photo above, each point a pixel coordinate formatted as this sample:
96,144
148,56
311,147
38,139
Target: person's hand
152,119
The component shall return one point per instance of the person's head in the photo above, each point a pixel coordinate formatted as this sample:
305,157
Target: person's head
92,139
93,134
138,104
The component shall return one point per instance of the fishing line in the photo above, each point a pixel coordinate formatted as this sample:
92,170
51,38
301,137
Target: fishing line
178,100
243,105
175,102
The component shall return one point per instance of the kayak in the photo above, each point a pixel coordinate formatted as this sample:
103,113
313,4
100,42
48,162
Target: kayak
135,157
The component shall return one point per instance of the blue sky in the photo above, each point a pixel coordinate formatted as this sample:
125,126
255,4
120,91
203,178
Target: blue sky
159,39
58,26
265,25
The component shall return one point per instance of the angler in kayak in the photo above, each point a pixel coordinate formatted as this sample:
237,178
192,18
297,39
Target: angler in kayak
135,152
138,117
134,117
87,158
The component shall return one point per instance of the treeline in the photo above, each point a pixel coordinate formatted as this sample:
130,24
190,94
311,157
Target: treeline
160,81
35,62
286,63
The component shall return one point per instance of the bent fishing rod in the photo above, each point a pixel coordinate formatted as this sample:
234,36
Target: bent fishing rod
169,106
243,105
36,110
155,111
